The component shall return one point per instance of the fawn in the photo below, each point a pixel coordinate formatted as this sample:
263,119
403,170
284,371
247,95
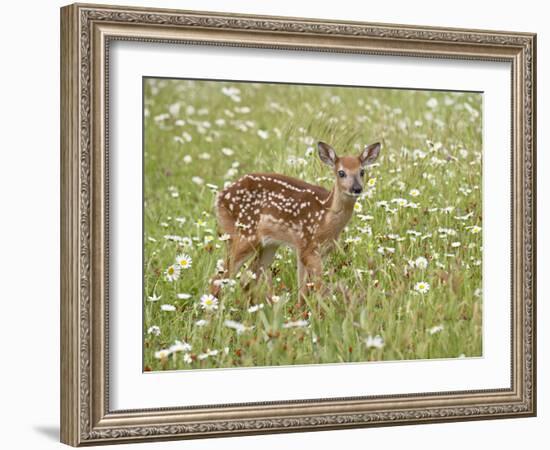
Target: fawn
262,211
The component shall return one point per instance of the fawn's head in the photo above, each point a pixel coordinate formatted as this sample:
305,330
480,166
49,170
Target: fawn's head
349,170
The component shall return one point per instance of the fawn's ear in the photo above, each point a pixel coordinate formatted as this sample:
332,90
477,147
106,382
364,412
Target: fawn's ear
369,154
327,154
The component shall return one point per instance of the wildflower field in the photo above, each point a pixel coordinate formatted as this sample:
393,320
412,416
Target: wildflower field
405,279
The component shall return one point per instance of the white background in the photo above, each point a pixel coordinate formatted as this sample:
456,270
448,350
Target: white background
130,61
29,177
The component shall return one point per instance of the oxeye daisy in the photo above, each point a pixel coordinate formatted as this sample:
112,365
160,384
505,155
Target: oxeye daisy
374,342
184,261
173,272
296,324
435,329
186,242
255,308
422,287
371,182
475,229
358,207
167,307
421,262
154,297
414,192
155,330
209,302
162,354
263,134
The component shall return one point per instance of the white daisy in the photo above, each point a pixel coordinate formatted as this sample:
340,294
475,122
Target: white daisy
223,282
220,267
237,326
255,308
208,302
184,261
421,262
374,342
197,180
201,323
475,229
183,296
167,307
263,134
371,182
162,354
154,330
358,207
432,103
414,192
228,151
365,217
180,346
422,287
296,324
154,298
435,329
173,272
186,242
455,244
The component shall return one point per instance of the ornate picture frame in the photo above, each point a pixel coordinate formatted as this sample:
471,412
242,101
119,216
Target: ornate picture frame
86,34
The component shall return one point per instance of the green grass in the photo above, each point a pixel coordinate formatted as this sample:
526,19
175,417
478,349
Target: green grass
431,142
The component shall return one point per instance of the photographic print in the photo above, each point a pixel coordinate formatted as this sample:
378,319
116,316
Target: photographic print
252,201
291,224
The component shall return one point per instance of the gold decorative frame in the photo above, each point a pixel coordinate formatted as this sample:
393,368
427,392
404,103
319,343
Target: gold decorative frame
86,32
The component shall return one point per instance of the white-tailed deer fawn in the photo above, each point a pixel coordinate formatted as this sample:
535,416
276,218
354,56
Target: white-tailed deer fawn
262,211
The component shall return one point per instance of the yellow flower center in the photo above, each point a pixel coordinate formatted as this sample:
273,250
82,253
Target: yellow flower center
183,263
170,270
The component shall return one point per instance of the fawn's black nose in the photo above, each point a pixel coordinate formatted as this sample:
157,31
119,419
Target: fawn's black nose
356,189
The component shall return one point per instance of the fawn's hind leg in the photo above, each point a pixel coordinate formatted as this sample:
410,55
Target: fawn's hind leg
310,270
263,260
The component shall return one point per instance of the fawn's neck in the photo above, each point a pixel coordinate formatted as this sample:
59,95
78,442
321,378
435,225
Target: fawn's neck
340,210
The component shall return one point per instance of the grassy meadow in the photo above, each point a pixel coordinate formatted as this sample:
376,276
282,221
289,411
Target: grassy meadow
405,279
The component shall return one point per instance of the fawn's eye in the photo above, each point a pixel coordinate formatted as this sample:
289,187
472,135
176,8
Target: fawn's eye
341,173
362,173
